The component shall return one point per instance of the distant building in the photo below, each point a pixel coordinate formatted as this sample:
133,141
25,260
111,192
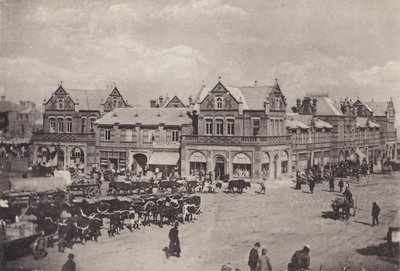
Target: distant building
18,121
162,102
68,136
145,138
237,133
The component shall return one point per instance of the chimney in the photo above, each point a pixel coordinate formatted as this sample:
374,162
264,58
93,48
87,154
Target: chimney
314,106
153,103
76,105
266,106
240,106
161,101
298,104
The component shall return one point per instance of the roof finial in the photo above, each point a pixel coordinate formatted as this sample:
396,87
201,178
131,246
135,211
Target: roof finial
61,83
255,83
219,78
276,80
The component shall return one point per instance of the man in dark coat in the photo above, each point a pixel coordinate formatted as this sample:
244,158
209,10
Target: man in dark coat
174,244
331,184
375,214
300,260
253,257
298,181
69,264
311,184
341,185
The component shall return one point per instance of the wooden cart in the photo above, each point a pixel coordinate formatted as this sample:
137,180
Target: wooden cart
89,188
20,243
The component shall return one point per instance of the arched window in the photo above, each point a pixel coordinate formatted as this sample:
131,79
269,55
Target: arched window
77,156
241,165
60,103
43,154
115,103
219,103
265,165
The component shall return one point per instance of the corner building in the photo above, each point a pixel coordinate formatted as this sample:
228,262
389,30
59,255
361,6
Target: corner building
237,133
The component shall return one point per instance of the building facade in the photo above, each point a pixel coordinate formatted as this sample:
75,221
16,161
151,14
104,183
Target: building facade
68,136
141,139
237,132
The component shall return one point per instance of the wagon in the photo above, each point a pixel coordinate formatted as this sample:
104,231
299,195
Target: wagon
18,240
90,188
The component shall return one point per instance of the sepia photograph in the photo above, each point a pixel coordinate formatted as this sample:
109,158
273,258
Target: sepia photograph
199,135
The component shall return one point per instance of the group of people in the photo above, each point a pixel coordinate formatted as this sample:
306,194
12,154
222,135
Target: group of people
300,260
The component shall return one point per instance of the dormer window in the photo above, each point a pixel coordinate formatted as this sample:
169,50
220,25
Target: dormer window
218,103
115,103
277,103
60,103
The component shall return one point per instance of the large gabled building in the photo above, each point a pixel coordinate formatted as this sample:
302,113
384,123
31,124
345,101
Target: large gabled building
68,136
237,133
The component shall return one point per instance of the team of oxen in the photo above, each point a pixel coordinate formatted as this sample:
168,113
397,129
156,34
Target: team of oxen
82,221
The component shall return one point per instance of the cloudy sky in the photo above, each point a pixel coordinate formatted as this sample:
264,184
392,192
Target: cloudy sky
150,48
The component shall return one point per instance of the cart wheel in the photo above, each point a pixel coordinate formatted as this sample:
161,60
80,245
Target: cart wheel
92,192
148,206
40,248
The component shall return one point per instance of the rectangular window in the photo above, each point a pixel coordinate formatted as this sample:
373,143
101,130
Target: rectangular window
209,126
175,135
219,126
52,125
128,134
83,125
21,129
230,126
21,117
107,134
60,125
69,125
256,126
151,135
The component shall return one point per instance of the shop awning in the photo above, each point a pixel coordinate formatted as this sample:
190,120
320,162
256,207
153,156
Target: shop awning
164,158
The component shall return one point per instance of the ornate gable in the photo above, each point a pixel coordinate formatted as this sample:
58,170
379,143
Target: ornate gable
277,99
60,100
175,102
114,100
219,98
362,110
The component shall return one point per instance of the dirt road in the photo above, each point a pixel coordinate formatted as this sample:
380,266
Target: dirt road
283,221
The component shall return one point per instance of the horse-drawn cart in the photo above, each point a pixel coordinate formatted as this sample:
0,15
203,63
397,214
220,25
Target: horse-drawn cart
21,238
90,188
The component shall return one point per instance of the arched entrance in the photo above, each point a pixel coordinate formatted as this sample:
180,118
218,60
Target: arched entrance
78,158
265,165
42,154
341,156
219,169
198,163
347,155
241,163
140,160
276,159
60,159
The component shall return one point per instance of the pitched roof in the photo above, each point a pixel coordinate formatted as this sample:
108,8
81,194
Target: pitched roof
252,97
326,106
304,122
146,116
6,106
379,108
88,99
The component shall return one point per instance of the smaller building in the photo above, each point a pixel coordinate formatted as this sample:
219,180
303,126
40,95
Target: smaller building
162,102
141,139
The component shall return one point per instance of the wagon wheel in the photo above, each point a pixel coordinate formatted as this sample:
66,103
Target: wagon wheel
40,248
148,206
92,192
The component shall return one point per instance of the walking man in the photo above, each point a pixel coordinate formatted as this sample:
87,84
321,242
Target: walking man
375,214
253,257
263,263
332,184
174,244
311,184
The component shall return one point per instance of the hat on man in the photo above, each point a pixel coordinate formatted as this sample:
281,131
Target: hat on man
257,244
307,247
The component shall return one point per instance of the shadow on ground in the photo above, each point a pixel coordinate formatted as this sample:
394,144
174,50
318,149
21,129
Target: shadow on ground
383,251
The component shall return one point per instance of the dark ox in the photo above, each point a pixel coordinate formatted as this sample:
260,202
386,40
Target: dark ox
239,185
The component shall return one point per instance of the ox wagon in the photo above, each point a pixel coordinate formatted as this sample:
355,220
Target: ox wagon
21,238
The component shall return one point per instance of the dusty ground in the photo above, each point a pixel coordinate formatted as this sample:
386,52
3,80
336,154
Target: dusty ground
283,221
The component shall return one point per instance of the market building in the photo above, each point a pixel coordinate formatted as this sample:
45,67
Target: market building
237,133
68,136
141,139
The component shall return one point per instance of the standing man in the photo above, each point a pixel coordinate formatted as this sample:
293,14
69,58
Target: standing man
253,257
341,185
263,263
311,184
69,265
174,244
332,184
300,260
375,214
